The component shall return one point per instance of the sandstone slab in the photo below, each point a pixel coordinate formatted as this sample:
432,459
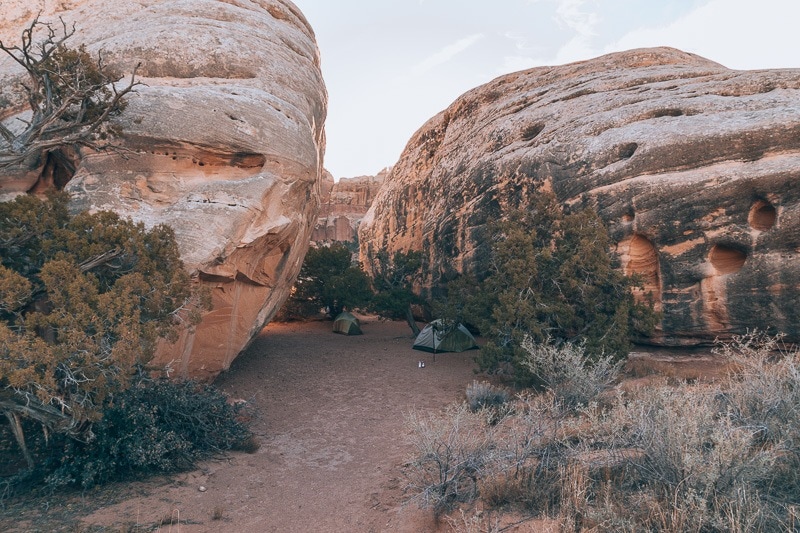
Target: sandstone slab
224,143
694,167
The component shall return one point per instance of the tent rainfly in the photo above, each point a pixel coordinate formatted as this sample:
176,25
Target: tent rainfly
346,324
437,336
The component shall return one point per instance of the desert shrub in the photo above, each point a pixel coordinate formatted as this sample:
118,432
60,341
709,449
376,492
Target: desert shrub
393,278
693,464
84,299
71,97
763,391
566,370
475,522
482,394
451,450
328,280
547,275
763,395
533,447
156,426
514,459
707,457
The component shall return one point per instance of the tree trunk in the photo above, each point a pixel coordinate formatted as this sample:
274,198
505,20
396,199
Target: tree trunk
411,322
19,434
46,415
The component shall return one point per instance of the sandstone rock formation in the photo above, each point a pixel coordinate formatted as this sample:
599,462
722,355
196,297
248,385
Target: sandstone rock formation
224,143
695,168
343,205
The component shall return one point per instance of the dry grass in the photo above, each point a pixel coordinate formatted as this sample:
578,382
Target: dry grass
700,368
708,456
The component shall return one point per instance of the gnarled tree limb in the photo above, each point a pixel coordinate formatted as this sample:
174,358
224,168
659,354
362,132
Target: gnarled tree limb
71,97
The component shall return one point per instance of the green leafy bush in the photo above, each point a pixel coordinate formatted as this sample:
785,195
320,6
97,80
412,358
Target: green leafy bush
393,278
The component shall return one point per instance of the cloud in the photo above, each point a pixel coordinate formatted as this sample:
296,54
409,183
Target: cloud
580,27
569,14
520,40
445,54
737,33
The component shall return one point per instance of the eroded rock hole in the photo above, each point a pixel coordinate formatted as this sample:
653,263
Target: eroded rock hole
58,170
762,216
61,167
248,160
640,257
626,151
578,94
726,259
658,113
532,131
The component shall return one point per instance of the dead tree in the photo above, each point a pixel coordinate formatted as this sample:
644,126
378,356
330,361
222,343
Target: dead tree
71,97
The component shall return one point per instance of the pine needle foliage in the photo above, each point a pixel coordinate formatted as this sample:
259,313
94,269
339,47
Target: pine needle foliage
83,301
550,278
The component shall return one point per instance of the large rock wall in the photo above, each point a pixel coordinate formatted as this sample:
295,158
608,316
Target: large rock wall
343,205
694,167
224,143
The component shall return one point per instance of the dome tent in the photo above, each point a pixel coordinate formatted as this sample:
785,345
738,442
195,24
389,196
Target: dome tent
440,336
346,324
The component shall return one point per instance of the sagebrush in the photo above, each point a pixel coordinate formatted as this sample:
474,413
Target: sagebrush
568,371
705,457
482,395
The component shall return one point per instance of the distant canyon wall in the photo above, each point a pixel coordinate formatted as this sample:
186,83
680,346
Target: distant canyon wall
343,204
224,143
694,167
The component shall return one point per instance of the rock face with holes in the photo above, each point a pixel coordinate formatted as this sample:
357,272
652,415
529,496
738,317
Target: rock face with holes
343,205
224,143
695,168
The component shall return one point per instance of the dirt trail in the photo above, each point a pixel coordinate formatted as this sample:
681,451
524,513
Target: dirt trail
331,426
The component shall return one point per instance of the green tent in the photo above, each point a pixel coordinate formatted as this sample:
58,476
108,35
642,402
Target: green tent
438,336
346,324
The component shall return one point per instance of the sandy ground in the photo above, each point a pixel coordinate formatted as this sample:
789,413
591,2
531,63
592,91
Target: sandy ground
330,420
329,415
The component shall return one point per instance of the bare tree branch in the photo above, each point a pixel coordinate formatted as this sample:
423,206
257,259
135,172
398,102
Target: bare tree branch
71,96
94,262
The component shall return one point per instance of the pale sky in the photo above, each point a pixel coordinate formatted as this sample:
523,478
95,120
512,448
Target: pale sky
390,65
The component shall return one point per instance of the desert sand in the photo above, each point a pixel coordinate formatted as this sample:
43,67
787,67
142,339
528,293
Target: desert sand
329,414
